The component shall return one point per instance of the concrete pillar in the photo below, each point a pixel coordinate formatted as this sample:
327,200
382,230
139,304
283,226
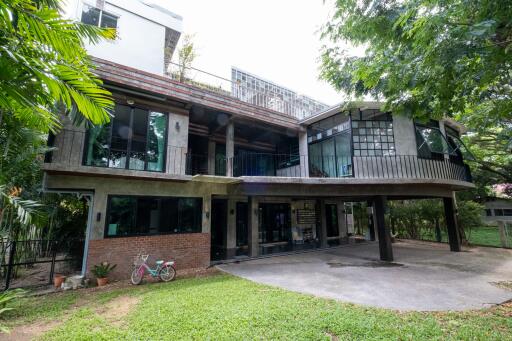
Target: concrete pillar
253,220
342,223
451,224
303,152
385,247
231,230
177,144
372,219
503,233
323,224
443,131
207,212
211,157
230,147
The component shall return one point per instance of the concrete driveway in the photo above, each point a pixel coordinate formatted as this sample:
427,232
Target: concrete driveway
424,276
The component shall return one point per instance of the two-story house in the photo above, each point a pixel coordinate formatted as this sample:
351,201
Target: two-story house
189,172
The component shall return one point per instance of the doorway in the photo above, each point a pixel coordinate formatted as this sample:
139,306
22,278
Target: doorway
242,231
275,227
219,222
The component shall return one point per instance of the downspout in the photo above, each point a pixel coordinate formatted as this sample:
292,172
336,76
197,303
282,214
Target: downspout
90,201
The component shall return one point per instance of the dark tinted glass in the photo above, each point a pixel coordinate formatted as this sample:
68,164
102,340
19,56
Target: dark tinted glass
108,20
90,15
97,148
121,216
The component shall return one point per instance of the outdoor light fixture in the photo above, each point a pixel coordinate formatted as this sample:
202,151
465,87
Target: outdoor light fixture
130,101
98,216
177,126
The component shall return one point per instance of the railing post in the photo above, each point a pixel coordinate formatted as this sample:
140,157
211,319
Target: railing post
54,256
10,264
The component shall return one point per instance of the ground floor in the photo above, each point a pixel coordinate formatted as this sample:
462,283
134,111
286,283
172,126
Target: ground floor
201,221
423,276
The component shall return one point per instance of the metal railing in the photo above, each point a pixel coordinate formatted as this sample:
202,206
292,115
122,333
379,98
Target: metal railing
70,148
284,103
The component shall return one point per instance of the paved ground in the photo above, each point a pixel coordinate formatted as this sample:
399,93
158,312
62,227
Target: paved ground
424,276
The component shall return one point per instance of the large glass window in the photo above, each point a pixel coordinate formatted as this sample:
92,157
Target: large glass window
134,139
96,17
131,216
373,135
431,143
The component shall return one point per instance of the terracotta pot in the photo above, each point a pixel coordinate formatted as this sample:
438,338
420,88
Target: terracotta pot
58,280
102,281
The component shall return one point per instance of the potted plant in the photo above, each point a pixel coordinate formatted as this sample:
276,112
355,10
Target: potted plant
101,272
58,280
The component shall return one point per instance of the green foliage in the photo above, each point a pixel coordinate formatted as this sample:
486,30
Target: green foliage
7,298
186,56
44,67
102,270
430,59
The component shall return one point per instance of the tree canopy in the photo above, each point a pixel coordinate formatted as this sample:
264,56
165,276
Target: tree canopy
429,59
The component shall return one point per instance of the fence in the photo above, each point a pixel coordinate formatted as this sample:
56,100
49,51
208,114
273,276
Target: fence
26,263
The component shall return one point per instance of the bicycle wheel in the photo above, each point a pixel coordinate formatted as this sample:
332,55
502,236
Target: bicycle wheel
167,273
137,276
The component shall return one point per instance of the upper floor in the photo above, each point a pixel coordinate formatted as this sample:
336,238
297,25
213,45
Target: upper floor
168,130
146,33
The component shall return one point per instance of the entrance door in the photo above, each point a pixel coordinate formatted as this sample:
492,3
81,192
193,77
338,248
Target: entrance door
275,223
331,219
242,231
219,223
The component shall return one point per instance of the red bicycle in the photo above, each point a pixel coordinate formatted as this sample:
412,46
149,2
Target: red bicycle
165,271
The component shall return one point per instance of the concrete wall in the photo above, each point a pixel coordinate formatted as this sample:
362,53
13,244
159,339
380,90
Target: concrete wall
497,204
140,33
404,134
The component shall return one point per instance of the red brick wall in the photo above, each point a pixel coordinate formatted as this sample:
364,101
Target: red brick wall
191,252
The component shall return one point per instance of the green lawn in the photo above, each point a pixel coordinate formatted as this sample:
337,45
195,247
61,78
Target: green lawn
481,235
224,308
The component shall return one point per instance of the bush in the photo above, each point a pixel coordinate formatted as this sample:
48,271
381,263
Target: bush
102,270
6,299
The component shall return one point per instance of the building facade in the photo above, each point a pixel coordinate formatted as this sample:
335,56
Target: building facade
196,175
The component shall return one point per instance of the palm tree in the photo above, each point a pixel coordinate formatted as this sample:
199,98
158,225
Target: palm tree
43,62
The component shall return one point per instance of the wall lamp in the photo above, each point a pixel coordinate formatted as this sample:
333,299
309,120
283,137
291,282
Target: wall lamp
177,126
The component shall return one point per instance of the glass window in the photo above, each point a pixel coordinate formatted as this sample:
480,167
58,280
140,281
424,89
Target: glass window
431,142
507,212
136,141
488,212
498,212
377,129
131,216
90,15
96,17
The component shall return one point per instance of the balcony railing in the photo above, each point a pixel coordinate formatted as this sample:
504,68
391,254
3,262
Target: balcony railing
69,151
266,98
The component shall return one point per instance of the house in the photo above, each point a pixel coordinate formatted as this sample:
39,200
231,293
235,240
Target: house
497,209
200,173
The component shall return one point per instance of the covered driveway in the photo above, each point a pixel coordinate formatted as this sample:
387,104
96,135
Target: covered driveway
424,276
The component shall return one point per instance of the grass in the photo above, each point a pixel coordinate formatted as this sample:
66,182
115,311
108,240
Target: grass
481,235
224,307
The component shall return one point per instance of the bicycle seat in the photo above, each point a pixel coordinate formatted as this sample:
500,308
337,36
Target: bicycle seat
159,262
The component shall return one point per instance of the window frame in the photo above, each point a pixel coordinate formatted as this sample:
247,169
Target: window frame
433,155
128,148
85,4
137,197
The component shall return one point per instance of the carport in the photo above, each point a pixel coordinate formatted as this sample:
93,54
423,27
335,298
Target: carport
424,276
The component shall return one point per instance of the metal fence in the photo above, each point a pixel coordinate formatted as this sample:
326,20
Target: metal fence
26,263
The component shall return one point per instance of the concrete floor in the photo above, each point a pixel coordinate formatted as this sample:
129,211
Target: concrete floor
424,276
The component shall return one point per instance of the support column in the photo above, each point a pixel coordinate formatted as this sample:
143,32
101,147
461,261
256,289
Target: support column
451,224
385,247
177,141
230,147
207,212
303,152
211,157
253,220
342,224
231,230
323,224
371,219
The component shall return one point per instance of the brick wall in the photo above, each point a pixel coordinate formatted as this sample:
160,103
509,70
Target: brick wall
191,252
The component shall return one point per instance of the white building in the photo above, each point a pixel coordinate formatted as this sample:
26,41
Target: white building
147,34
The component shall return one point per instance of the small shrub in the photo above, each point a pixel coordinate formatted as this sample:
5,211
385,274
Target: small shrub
6,298
102,270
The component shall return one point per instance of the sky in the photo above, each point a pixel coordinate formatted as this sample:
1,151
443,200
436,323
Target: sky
277,40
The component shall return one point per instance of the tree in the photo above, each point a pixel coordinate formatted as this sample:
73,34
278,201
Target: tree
43,64
428,59
186,56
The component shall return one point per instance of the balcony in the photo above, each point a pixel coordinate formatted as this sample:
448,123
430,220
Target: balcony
69,147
